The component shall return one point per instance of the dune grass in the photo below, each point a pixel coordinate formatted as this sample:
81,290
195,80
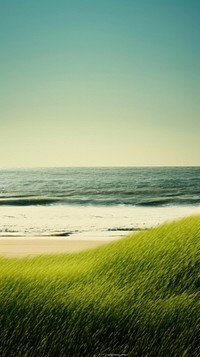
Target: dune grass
137,296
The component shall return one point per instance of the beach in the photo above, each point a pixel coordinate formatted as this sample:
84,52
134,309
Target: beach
20,248
60,210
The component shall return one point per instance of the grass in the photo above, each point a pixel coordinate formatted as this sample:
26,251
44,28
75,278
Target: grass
137,296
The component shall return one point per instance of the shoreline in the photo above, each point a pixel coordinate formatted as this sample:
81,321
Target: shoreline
87,222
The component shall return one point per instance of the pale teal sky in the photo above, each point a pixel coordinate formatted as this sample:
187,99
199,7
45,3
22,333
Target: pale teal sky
99,83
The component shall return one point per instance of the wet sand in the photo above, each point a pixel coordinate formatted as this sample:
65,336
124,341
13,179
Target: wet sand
19,248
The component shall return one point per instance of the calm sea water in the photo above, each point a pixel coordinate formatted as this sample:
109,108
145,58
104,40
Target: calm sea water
71,200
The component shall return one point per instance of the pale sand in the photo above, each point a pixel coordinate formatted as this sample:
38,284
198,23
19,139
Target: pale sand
19,248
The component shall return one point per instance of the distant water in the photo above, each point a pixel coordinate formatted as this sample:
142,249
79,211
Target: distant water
66,200
100,186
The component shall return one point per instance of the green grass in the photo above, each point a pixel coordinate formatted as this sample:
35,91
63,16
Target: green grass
137,296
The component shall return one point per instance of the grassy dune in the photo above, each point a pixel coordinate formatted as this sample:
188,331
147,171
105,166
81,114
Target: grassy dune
137,296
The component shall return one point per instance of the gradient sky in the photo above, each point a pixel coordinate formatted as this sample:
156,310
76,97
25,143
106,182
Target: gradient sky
99,82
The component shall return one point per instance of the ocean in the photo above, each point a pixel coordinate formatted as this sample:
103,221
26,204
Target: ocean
94,202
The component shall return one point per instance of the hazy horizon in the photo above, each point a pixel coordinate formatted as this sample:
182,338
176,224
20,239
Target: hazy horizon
100,167
99,84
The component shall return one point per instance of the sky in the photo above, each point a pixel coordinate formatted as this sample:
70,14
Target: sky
99,83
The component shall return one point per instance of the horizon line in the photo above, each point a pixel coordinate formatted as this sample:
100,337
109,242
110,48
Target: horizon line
93,166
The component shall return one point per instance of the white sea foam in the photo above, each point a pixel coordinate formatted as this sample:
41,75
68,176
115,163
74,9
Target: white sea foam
85,222
88,203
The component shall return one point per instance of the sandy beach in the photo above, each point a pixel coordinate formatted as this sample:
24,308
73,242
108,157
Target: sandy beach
19,248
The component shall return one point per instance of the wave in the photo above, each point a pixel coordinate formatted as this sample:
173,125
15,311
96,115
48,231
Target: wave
168,202
49,201
28,201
